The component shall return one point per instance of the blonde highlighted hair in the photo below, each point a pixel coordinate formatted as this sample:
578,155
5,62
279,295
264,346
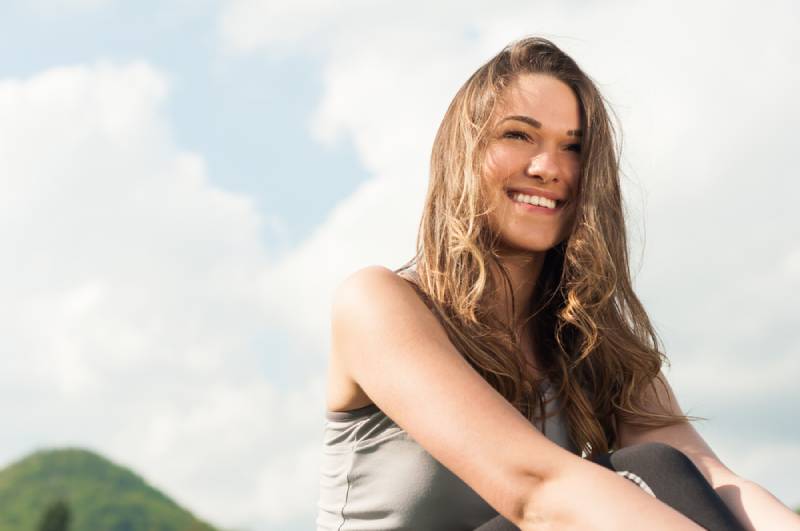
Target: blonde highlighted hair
594,340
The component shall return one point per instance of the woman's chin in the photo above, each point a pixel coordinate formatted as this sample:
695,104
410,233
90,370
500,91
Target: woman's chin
527,246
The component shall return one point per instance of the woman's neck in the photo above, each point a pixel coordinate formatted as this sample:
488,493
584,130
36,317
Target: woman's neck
523,271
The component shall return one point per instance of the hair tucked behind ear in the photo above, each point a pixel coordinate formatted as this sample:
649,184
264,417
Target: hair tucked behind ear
595,341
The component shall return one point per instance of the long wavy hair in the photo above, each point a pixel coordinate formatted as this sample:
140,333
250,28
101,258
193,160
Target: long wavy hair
594,340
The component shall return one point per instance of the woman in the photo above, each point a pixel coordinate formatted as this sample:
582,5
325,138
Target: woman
507,376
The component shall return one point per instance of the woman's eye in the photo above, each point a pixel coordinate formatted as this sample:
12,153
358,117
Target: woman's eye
515,134
574,147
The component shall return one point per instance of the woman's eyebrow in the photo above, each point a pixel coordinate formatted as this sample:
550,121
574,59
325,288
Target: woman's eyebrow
533,122
527,119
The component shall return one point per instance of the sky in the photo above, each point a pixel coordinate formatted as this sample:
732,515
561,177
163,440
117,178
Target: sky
185,183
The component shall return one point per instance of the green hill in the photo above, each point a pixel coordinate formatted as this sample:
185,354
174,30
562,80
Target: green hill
90,492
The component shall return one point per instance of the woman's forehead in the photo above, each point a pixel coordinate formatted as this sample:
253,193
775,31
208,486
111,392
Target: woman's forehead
548,100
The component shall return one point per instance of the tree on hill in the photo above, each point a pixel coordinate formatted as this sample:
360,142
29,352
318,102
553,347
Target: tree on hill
56,517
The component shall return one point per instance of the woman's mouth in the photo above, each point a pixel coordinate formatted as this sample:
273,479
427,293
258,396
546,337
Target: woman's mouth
535,203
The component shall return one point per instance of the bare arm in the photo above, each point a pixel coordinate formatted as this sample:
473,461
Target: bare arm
753,506
394,348
588,496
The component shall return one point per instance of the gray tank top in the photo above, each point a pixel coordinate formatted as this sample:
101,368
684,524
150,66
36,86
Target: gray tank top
374,475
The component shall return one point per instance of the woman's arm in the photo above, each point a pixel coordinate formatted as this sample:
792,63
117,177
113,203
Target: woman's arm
392,346
753,506
588,496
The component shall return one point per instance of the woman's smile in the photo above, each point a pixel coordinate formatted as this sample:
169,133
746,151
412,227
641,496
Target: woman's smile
535,204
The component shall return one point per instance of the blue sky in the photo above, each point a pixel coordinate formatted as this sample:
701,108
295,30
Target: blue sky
184,184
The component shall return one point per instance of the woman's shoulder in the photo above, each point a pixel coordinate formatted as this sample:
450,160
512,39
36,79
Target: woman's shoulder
375,280
376,290
381,271
364,294
368,306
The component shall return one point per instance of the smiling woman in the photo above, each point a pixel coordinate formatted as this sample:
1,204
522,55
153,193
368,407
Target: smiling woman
507,376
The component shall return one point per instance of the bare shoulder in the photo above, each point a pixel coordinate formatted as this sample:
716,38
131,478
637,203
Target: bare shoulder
375,303
363,287
376,299
360,295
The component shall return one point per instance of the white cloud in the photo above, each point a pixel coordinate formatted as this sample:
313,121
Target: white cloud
250,24
706,111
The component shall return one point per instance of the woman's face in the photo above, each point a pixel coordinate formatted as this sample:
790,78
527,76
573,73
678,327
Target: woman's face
534,150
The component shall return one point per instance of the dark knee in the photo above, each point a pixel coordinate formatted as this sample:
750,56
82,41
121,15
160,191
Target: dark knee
652,453
658,449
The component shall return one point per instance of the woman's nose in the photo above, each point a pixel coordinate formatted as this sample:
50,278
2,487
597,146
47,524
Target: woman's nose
543,167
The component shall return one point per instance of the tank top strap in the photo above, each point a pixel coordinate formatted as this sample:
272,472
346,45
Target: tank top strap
410,275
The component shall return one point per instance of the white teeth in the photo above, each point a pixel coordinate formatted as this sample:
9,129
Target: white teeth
534,200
